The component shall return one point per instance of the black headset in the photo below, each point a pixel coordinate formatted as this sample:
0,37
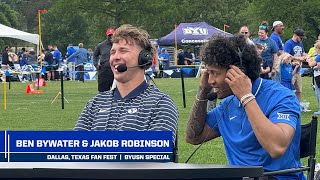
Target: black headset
240,65
145,58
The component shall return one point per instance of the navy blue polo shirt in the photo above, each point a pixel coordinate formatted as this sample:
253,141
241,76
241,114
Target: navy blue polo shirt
144,108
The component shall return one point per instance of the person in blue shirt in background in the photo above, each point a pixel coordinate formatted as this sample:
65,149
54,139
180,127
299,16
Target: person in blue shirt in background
70,51
24,62
277,28
57,55
81,57
294,46
265,69
21,52
258,120
269,53
57,58
164,61
286,70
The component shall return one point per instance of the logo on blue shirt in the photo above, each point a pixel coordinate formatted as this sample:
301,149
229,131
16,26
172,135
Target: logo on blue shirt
283,116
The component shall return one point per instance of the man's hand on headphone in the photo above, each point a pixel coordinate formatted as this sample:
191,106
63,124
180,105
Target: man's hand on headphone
239,83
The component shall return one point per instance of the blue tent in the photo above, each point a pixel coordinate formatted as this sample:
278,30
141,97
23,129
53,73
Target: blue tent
191,33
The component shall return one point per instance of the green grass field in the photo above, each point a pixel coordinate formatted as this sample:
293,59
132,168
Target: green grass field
37,112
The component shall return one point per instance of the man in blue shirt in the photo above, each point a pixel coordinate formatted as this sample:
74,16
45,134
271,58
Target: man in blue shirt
71,66
57,59
277,29
164,61
70,51
258,119
81,58
295,47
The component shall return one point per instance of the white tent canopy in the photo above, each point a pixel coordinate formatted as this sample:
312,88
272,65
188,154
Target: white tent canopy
9,32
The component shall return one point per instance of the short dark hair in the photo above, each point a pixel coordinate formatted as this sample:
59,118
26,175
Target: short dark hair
222,51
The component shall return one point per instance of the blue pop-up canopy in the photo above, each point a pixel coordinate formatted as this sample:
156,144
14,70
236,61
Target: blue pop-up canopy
191,33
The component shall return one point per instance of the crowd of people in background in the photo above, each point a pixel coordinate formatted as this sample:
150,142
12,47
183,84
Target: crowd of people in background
51,59
282,62
230,71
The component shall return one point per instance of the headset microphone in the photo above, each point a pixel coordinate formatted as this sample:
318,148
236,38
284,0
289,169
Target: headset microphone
123,68
212,96
144,60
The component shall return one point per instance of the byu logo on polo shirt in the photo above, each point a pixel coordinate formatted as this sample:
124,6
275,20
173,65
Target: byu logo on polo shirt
283,116
132,110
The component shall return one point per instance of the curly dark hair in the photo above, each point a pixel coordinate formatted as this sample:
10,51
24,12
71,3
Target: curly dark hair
222,51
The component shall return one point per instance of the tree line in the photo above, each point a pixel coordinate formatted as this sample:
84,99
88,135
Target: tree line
86,20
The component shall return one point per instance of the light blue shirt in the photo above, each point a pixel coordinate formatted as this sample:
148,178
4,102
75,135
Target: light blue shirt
81,56
280,105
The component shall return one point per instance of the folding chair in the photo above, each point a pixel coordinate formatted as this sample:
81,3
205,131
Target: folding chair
308,142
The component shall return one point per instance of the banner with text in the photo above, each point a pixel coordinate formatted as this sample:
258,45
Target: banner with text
86,146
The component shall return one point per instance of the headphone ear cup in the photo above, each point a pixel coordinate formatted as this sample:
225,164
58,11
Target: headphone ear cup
241,68
144,58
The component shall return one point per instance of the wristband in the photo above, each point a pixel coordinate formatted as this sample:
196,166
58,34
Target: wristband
245,97
248,100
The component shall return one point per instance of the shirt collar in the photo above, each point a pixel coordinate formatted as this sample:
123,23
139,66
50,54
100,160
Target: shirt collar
136,92
256,86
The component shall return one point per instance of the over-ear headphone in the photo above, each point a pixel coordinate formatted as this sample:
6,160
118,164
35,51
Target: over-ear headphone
145,58
239,65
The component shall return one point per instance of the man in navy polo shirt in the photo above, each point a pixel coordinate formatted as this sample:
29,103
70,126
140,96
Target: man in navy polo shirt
258,119
133,104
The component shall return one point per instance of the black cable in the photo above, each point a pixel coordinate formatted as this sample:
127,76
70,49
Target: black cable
151,79
204,140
